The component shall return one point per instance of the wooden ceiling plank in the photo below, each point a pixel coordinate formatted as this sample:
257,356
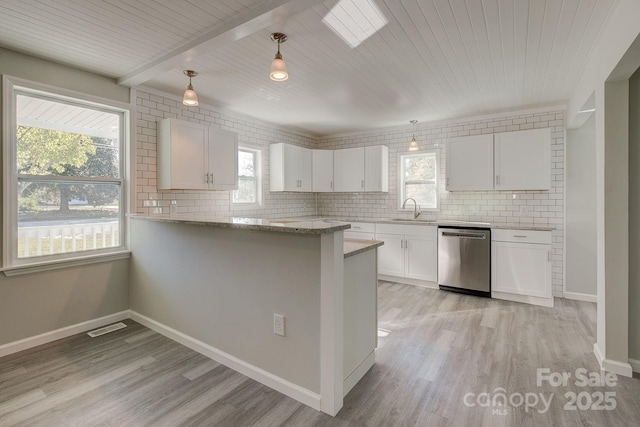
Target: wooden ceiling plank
256,19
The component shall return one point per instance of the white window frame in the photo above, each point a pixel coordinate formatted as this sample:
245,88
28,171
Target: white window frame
11,264
257,151
401,184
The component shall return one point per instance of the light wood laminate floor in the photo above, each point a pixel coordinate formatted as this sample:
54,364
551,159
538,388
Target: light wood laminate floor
435,349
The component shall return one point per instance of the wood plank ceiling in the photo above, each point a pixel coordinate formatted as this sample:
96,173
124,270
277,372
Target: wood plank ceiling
433,60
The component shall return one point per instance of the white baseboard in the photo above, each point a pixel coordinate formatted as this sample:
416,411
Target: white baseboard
288,388
619,368
47,337
526,299
357,374
408,281
635,365
581,297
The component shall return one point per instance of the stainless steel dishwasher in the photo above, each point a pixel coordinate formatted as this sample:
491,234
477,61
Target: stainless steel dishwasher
464,260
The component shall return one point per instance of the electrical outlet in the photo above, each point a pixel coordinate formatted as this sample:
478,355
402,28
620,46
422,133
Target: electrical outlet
278,324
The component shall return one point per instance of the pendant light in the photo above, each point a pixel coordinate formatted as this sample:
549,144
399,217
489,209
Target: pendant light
278,71
190,97
413,145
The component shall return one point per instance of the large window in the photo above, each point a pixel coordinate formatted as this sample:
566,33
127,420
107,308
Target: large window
249,192
65,167
419,179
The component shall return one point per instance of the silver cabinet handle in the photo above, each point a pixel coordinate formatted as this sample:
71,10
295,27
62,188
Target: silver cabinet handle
331,184
497,179
549,256
206,177
406,244
447,181
362,183
519,236
401,244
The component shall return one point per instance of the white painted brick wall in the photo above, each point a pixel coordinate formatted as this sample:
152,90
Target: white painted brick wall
544,208
151,108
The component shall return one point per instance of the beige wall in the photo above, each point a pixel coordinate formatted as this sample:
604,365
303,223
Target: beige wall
634,216
33,304
222,286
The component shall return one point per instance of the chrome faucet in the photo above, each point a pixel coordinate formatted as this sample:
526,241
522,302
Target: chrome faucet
416,208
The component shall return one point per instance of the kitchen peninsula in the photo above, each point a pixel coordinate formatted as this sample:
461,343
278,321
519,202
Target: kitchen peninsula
215,285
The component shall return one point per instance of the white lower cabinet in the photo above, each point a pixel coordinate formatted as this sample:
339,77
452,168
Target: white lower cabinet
521,266
409,252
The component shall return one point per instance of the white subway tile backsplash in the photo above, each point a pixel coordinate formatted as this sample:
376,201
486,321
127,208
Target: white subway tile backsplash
544,208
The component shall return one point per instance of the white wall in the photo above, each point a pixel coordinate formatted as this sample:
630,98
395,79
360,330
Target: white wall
581,212
544,208
37,303
153,107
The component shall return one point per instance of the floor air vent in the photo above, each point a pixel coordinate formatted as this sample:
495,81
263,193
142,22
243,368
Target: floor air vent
106,329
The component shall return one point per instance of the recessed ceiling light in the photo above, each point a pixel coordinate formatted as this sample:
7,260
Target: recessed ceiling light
355,20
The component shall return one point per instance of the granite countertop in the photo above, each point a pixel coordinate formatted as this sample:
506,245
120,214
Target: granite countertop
355,246
439,222
297,226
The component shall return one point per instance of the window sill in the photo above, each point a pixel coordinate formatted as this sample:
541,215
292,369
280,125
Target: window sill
67,263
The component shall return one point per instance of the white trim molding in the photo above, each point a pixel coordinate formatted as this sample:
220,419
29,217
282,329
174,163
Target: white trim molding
285,387
47,337
619,368
581,297
635,365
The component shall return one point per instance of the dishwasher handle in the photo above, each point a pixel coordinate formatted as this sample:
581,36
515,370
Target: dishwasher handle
464,235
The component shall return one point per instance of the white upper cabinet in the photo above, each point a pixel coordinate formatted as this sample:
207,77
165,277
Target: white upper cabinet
322,170
470,163
376,168
502,161
192,156
290,168
523,160
361,169
348,169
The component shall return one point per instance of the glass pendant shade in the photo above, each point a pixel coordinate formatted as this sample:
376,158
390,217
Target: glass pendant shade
278,71
190,97
413,145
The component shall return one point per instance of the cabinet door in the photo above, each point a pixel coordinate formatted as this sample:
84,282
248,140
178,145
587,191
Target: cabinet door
470,163
376,168
305,169
290,166
521,268
523,160
223,160
348,169
182,155
322,170
391,254
421,261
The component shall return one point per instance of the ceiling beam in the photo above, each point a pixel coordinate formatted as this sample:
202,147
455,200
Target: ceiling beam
262,16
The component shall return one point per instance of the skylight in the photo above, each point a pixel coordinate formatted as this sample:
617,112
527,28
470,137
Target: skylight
355,20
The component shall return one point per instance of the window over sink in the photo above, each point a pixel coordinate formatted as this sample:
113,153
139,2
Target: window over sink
249,192
419,179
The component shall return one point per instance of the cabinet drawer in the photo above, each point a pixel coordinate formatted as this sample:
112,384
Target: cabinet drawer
521,236
408,230
363,227
348,234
